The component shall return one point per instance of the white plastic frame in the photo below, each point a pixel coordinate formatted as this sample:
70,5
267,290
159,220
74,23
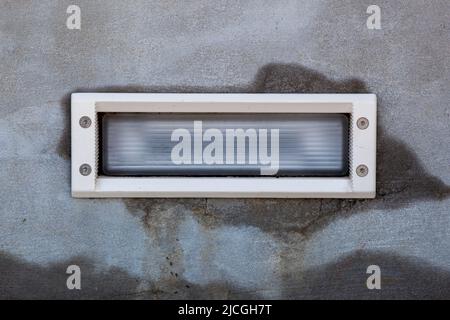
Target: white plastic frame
85,146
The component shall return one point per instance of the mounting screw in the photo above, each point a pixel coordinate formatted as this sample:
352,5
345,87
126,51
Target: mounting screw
85,122
362,171
362,123
85,169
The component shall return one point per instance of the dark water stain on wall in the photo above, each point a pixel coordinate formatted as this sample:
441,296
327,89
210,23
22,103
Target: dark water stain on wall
401,278
23,280
293,78
401,181
401,178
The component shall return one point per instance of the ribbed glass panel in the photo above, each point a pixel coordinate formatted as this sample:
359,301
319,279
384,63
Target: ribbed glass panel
140,144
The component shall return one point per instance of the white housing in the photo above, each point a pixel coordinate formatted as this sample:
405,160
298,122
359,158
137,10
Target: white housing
362,148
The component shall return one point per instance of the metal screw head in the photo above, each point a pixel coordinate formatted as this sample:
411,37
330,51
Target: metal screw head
362,123
85,122
85,169
362,171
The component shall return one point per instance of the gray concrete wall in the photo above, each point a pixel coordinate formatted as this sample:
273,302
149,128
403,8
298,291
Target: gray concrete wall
212,248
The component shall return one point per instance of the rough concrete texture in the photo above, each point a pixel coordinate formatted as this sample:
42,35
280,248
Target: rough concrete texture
212,248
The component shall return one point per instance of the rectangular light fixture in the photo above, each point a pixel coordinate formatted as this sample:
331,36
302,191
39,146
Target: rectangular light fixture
223,145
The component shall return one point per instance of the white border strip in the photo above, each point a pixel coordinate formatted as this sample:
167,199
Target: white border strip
362,147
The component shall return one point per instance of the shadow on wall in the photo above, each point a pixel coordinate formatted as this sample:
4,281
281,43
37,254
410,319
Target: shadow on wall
345,279
401,178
